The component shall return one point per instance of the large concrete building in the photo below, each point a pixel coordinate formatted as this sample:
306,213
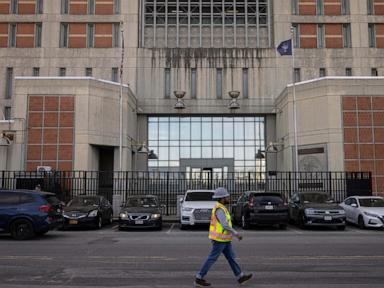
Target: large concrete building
60,85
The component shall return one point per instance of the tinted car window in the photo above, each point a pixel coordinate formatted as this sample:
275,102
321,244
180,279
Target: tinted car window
265,199
25,198
372,202
84,201
199,196
9,198
314,198
141,202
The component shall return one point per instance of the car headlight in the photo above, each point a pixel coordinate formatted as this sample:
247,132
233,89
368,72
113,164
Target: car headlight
371,215
93,213
155,216
309,211
123,215
187,209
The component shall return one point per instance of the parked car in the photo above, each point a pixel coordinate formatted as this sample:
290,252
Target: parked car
365,211
26,213
260,208
142,211
93,211
316,209
196,207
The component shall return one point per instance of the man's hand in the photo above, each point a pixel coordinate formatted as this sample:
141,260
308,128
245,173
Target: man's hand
238,236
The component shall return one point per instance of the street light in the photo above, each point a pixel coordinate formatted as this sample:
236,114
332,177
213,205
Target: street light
271,148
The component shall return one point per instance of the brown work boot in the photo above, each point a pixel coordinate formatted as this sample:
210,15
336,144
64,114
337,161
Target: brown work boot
201,283
244,278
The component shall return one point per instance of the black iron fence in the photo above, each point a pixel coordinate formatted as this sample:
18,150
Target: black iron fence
169,185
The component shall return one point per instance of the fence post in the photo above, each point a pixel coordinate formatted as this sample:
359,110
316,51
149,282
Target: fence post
85,183
167,193
3,179
249,181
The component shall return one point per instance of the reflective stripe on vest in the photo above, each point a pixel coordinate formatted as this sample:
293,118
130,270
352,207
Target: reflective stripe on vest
216,230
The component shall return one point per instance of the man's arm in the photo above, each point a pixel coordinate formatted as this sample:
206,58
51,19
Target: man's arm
220,215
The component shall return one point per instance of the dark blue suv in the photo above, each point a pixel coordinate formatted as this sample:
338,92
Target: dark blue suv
26,213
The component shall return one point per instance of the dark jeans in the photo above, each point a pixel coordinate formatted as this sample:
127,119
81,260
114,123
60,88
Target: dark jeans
217,249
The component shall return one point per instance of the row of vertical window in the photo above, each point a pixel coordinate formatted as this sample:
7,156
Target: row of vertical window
13,34
14,7
91,4
344,7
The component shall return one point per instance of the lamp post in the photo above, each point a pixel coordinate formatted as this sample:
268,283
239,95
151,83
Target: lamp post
121,99
294,104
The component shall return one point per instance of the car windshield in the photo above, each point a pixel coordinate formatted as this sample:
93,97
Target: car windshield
315,198
371,202
141,202
262,200
84,201
199,196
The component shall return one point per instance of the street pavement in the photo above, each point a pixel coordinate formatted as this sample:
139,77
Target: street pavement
169,258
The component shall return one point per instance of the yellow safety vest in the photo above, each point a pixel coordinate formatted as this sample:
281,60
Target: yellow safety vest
216,231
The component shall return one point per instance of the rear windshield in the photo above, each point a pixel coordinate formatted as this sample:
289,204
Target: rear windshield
266,199
141,202
199,196
372,202
52,200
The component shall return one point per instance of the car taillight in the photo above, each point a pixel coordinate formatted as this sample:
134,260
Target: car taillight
45,208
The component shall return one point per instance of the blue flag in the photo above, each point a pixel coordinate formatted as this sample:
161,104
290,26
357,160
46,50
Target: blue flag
285,47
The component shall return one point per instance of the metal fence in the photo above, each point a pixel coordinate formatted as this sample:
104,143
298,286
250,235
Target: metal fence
169,185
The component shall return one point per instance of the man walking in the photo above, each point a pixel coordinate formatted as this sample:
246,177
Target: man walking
221,234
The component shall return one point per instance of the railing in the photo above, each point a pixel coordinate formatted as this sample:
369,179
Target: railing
169,185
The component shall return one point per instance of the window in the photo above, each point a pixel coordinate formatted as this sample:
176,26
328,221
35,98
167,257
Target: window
12,35
345,9
36,71
116,35
370,7
91,7
9,83
295,7
322,72
9,198
347,35
116,6
374,72
115,74
64,35
14,5
296,35
348,71
39,6
245,83
38,32
219,83
297,75
371,35
7,113
90,35
319,7
320,36
62,72
88,72
193,83
167,82
64,6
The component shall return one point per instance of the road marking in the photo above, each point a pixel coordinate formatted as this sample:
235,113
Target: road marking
170,229
115,227
290,228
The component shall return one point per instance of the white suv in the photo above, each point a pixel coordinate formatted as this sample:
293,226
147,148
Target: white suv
196,207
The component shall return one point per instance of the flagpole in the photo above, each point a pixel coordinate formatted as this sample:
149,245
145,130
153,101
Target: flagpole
121,99
294,103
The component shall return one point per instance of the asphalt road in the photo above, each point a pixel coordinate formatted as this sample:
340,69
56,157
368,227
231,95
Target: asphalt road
170,258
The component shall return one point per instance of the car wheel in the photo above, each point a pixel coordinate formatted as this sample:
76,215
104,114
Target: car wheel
22,230
341,228
283,226
360,222
244,223
183,227
99,222
302,221
110,219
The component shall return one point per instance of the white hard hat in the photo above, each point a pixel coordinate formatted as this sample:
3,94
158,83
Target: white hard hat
220,192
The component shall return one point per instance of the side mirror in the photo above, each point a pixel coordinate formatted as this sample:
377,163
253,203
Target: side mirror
181,200
354,205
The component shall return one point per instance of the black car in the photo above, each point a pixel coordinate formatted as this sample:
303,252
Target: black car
93,211
260,208
316,209
141,212
26,213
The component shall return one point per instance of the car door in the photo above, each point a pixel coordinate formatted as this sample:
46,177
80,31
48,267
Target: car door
347,208
294,206
8,208
355,210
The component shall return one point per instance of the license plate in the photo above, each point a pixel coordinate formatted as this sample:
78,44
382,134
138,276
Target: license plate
328,218
73,222
139,222
269,207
